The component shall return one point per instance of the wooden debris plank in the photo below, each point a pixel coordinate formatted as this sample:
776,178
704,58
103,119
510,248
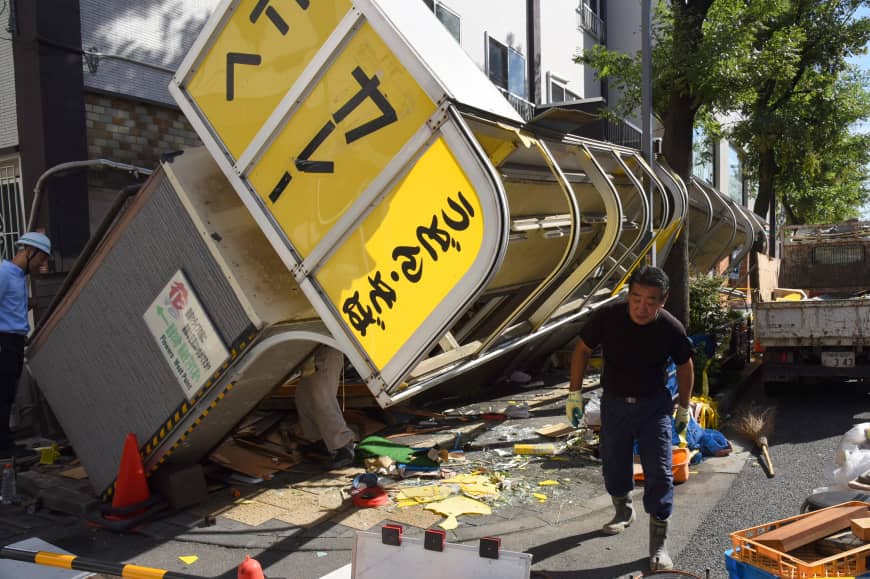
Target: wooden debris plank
812,527
556,430
861,528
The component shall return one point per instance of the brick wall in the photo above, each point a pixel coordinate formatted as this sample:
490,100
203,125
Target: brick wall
134,132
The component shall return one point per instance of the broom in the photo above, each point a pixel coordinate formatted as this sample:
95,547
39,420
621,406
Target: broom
756,423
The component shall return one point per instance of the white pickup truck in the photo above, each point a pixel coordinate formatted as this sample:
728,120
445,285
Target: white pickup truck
820,332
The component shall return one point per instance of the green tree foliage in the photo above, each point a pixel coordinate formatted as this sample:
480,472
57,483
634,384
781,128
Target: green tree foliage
779,69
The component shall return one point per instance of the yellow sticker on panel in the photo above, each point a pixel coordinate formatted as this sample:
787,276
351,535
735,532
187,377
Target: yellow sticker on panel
256,57
388,277
356,118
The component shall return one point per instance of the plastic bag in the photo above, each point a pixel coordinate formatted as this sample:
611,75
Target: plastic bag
592,412
856,438
853,454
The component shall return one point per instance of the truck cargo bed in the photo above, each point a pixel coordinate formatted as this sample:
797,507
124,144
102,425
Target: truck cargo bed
837,322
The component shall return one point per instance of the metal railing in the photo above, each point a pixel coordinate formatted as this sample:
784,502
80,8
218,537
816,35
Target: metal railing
11,209
525,108
590,22
622,133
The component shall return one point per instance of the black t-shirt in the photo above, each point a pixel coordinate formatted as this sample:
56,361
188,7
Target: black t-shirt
635,357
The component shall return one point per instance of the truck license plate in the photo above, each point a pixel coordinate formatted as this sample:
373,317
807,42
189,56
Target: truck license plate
838,359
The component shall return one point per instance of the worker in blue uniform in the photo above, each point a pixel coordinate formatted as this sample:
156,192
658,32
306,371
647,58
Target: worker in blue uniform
637,336
32,251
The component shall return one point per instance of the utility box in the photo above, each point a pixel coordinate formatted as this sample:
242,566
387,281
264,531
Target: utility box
183,285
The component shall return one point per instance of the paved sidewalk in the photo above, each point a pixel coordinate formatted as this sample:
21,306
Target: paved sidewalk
561,531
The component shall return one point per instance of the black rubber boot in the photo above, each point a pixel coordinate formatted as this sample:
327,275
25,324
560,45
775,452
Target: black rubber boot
659,559
623,517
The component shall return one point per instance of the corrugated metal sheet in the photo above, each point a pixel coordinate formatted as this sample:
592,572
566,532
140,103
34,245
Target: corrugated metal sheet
99,367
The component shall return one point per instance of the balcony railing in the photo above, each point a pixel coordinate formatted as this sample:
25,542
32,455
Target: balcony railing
590,22
622,133
525,108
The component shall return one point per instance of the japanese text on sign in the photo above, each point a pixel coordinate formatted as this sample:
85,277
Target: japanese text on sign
409,254
185,335
255,59
434,239
355,120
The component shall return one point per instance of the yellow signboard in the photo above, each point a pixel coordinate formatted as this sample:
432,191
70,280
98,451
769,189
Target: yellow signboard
257,56
407,255
356,118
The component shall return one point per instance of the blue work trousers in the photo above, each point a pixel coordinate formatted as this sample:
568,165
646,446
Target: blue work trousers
647,420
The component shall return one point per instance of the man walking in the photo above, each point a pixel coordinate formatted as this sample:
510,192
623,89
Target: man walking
32,251
637,337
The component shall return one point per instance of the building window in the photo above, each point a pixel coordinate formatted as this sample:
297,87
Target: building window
506,67
702,156
589,18
735,175
559,92
450,19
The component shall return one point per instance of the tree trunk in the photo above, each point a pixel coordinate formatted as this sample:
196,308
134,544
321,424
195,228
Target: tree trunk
677,149
766,199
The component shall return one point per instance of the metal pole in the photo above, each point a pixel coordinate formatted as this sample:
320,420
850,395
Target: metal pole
646,108
72,562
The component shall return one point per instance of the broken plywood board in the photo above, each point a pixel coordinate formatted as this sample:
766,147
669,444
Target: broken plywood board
363,519
814,526
303,509
252,512
415,516
556,430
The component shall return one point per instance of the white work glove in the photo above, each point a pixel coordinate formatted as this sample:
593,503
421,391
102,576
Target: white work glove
681,424
574,408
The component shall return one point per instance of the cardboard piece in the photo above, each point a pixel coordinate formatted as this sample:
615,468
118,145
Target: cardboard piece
77,473
248,462
812,527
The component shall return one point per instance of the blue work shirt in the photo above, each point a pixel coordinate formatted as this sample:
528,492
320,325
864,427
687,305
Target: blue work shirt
13,299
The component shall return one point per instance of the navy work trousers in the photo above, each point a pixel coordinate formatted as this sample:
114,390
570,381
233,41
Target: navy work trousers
647,420
11,363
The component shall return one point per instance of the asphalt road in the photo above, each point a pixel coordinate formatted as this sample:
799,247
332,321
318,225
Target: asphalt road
722,495
808,426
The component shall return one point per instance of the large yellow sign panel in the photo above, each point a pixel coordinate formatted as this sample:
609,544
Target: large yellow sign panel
356,118
407,255
255,59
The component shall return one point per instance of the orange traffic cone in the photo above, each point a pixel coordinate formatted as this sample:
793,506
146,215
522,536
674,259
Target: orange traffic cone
130,488
250,569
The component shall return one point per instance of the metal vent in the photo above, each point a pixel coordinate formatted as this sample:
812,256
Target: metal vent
838,254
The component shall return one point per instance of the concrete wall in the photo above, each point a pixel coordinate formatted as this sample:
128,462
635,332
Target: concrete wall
624,35
134,132
131,132
560,41
504,20
8,117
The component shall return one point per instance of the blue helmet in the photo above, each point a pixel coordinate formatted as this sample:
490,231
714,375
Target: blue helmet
35,240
